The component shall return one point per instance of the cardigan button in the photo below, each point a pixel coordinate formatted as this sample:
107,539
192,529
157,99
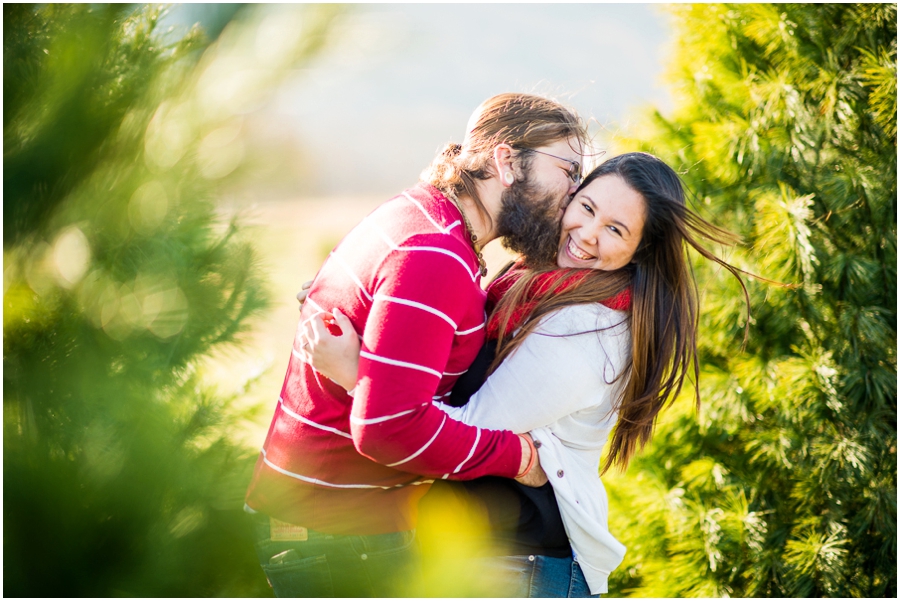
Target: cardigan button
537,444
364,557
560,473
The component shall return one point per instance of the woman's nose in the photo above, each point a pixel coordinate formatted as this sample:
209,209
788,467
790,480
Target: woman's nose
590,235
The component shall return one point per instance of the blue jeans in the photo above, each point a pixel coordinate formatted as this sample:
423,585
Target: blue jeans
535,576
334,565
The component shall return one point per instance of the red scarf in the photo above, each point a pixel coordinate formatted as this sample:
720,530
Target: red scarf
567,278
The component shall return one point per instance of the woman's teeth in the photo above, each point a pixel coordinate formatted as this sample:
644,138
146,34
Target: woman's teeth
577,252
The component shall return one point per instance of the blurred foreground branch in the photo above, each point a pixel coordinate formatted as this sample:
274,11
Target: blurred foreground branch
120,474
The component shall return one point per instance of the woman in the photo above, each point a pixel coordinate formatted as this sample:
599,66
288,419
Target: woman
600,342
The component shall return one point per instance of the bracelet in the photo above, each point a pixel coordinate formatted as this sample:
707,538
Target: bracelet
533,455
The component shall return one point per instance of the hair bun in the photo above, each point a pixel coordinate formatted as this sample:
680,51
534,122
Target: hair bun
452,149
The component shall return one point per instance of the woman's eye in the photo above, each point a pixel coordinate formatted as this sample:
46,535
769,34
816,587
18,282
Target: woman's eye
615,230
587,208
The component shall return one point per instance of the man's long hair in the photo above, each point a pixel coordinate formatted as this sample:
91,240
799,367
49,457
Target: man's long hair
664,308
524,121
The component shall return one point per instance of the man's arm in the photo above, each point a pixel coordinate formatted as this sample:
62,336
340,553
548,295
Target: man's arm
412,326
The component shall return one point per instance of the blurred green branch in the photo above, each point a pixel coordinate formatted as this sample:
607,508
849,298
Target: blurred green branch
121,472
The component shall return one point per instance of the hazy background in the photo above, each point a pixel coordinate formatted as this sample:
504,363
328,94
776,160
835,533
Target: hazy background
397,81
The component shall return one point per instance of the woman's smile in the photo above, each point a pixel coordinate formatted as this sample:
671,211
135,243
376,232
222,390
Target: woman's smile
576,252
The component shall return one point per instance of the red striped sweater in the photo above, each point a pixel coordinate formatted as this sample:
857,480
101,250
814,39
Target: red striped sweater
408,279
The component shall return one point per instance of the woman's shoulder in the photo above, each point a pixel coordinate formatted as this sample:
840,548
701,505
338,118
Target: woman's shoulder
590,317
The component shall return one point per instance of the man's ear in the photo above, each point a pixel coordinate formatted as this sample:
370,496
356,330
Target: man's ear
503,164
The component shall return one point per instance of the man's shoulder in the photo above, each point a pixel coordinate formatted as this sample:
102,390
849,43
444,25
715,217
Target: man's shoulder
419,216
419,229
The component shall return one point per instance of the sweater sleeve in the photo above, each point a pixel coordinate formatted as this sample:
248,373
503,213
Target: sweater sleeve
554,373
418,300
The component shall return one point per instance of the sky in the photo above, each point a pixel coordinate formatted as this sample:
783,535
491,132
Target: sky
398,81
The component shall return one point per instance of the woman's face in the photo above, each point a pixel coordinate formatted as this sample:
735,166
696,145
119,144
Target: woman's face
602,226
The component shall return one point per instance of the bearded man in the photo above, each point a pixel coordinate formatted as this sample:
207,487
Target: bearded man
335,489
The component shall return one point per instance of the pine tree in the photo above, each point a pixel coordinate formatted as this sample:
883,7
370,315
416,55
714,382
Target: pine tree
121,475
785,483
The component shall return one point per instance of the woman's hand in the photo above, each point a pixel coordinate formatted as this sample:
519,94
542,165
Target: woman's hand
304,292
332,347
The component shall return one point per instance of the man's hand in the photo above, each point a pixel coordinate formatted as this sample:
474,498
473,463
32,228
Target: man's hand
535,477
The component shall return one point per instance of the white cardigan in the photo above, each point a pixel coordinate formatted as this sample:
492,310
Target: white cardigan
560,385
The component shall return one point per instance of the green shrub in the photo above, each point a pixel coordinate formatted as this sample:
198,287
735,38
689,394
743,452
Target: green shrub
785,484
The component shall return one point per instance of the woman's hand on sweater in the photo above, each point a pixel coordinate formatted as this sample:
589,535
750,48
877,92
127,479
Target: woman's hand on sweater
332,347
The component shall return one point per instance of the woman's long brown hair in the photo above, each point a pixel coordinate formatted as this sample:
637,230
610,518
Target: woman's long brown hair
664,306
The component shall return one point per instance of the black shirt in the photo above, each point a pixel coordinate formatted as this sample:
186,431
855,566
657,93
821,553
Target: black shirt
524,519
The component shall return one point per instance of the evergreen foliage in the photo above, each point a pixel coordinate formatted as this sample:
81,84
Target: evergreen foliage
785,484
121,476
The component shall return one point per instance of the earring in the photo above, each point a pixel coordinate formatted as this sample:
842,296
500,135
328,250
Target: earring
509,178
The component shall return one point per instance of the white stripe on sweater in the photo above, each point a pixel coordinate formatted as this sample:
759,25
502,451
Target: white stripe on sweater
471,451
311,480
309,422
416,305
469,331
396,247
377,420
352,275
379,359
426,445
443,251
428,216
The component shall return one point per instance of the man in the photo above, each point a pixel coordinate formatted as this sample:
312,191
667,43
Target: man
336,485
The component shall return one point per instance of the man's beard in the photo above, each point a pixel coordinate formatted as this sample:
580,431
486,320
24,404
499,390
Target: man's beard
529,223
